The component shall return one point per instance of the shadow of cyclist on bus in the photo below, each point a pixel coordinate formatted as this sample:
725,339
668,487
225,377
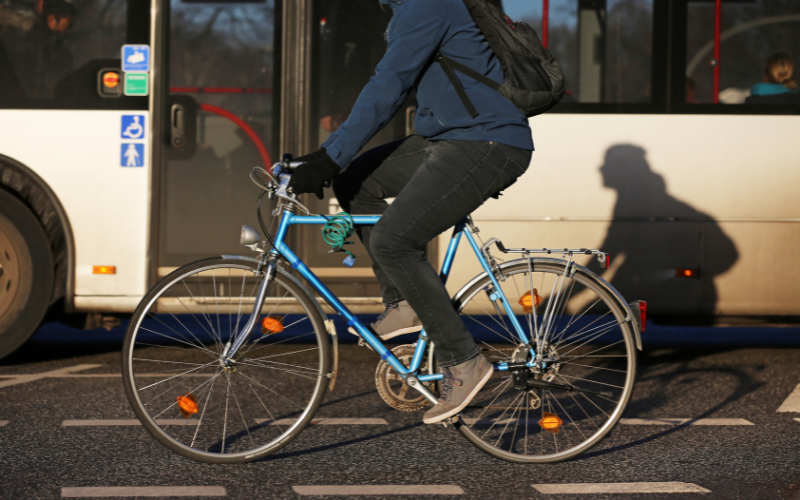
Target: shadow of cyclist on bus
653,234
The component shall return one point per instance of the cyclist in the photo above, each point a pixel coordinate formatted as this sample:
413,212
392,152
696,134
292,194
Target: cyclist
438,176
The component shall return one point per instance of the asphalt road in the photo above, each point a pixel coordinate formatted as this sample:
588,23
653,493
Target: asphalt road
736,443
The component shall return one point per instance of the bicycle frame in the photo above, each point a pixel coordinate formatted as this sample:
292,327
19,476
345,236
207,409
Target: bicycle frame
281,249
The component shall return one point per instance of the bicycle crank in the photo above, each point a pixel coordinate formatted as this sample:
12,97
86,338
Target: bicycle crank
394,390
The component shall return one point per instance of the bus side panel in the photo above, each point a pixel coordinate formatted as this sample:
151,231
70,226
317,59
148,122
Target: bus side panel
711,193
81,155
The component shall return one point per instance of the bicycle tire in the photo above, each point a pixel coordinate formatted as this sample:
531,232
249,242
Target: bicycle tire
161,334
501,440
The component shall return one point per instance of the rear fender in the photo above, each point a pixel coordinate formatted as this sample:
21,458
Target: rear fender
632,318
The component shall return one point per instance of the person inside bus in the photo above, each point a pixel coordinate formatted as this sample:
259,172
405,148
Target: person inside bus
438,176
780,82
37,45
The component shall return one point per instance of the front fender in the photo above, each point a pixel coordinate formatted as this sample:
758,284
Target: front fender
287,276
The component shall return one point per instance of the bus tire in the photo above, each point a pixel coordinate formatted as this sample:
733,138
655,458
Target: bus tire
26,273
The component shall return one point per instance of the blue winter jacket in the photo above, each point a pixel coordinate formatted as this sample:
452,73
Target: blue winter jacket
418,30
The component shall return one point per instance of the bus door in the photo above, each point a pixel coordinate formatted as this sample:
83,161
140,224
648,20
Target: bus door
348,41
222,114
217,74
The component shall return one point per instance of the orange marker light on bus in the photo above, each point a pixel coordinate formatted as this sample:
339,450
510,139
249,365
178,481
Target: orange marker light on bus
271,324
687,273
551,423
528,301
104,269
187,404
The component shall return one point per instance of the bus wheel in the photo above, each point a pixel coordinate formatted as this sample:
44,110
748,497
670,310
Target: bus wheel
26,273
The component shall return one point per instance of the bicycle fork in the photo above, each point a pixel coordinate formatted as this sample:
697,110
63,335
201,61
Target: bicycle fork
241,337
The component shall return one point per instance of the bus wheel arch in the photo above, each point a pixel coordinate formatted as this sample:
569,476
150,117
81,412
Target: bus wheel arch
29,205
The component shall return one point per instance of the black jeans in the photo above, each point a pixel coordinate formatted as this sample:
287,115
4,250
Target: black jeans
436,185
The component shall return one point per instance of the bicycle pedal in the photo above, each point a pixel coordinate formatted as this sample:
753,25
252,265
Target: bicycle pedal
361,341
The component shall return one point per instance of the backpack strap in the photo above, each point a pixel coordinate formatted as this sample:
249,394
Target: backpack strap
448,65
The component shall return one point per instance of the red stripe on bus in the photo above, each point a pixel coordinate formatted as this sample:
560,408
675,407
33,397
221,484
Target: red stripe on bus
221,90
717,43
545,21
262,150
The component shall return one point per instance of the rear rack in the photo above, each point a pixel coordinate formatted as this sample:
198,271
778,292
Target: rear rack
602,257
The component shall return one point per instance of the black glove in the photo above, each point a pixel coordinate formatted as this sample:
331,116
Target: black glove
312,176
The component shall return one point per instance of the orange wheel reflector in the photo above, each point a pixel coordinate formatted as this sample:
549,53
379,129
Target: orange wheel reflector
528,301
551,423
187,404
271,324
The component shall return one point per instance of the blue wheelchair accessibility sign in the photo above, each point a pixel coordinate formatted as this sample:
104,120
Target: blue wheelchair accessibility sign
133,126
135,58
132,155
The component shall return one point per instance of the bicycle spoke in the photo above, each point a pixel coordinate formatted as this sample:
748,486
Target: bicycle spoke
176,334
581,347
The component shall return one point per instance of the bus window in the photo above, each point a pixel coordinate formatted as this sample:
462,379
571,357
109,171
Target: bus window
604,46
52,50
751,31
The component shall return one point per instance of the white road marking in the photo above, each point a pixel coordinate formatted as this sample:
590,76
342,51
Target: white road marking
132,421
792,403
67,373
3,422
684,421
119,375
144,491
489,421
629,488
326,421
379,489
22,379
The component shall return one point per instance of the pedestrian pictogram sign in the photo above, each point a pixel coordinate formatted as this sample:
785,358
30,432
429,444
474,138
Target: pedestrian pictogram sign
132,155
132,126
136,84
135,58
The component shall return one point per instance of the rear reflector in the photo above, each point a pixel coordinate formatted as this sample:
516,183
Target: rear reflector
687,273
104,270
608,261
642,313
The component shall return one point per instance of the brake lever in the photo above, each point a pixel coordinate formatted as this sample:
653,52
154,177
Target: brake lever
283,192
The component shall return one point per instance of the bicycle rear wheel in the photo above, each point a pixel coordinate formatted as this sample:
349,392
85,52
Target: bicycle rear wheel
587,341
193,404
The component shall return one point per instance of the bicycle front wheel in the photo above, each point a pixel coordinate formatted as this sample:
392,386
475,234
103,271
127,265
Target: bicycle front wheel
214,412
581,332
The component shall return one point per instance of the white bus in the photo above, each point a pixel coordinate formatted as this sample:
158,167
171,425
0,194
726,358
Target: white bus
653,156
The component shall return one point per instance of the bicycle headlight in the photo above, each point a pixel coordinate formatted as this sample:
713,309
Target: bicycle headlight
249,236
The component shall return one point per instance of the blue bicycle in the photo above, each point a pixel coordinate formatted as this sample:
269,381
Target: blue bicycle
228,359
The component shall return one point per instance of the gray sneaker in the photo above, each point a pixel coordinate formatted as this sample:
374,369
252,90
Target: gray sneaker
460,384
397,319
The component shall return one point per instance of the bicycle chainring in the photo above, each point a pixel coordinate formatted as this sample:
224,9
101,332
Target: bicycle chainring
394,390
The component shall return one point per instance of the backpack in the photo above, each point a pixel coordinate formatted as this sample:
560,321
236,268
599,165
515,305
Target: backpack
534,81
